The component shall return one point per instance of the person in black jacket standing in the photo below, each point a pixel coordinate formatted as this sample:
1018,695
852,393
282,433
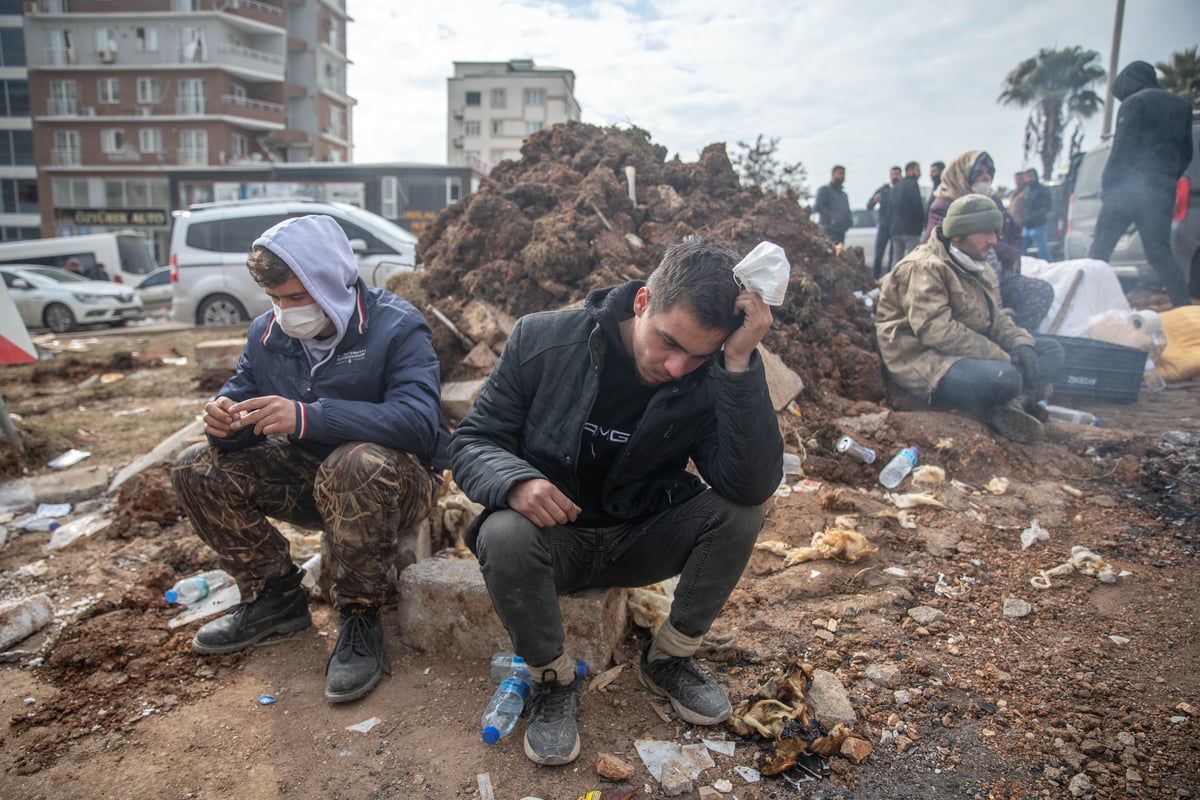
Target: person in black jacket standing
578,446
883,233
833,206
908,213
1036,214
1152,147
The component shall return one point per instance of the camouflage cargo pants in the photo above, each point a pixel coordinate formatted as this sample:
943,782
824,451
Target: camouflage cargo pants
364,496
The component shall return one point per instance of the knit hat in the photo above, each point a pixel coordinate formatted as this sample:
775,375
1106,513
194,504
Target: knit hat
971,213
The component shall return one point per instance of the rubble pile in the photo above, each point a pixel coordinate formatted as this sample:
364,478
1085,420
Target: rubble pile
543,231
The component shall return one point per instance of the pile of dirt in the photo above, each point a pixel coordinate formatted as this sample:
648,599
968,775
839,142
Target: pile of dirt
543,231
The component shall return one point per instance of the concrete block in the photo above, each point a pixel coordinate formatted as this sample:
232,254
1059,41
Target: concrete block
481,357
783,383
486,323
458,396
72,485
219,355
445,608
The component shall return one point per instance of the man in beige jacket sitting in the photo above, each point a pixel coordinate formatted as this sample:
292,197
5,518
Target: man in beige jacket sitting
944,337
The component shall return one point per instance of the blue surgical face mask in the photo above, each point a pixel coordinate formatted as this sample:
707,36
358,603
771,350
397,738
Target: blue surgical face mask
301,322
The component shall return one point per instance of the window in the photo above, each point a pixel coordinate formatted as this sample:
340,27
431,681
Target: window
389,206
472,127
193,147
191,96
60,47
18,196
192,47
497,156
150,140
12,47
497,98
112,140
535,97
147,89
62,97
532,126
109,90
66,147
473,99
106,40
16,147
69,192
145,40
238,91
237,146
14,101
337,122
497,127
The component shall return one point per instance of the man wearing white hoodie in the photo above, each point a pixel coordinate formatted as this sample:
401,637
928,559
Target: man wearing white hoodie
333,421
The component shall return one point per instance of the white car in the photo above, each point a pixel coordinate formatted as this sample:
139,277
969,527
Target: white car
863,227
156,290
49,297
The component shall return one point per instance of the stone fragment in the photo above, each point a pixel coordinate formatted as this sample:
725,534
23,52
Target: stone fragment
614,769
1079,785
855,749
457,397
709,793
884,675
926,615
486,323
1015,608
675,781
829,700
481,357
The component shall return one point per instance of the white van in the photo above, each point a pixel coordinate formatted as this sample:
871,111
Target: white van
210,243
127,256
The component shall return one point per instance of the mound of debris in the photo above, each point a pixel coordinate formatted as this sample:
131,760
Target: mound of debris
543,231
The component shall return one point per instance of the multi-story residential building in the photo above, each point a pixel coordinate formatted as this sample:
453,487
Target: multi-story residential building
18,176
493,106
125,91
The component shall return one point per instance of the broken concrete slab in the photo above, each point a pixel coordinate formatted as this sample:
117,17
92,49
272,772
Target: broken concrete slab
70,486
457,397
486,323
783,384
445,608
20,619
164,451
481,357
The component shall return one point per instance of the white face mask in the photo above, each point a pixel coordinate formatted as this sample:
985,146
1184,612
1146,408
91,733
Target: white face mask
301,322
982,187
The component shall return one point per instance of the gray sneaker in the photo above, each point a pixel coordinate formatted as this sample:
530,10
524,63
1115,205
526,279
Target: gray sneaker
695,696
1011,421
552,737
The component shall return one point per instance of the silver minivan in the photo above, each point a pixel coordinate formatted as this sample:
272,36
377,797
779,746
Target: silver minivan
1128,259
210,242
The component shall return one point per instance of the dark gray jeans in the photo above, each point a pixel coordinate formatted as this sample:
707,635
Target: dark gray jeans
707,541
977,385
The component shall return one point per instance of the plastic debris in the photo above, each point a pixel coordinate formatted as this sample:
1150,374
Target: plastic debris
997,485
1034,533
725,748
365,726
829,543
20,619
914,499
1090,563
266,699
219,601
898,572
69,459
748,774
690,759
76,529
928,475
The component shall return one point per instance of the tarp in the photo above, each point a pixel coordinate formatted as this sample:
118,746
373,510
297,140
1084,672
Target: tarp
15,345
1098,291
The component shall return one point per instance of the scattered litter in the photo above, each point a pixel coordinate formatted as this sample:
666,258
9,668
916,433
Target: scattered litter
914,499
838,543
77,528
1034,533
266,699
365,726
965,487
1118,639
898,572
723,785
111,377
997,485
784,490
903,518
222,599
605,678
1177,720
791,464
748,774
484,779
725,748
649,605
125,412
928,475
69,458
1016,608
1090,563
1071,490
690,759
793,408
88,383
944,444
814,574
944,589
175,361
808,485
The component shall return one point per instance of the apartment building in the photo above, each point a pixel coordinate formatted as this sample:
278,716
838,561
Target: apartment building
125,91
19,216
493,106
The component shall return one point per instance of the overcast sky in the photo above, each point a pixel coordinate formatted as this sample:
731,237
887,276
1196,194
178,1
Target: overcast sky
867,84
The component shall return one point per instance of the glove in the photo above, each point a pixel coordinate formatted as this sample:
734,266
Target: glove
1025,359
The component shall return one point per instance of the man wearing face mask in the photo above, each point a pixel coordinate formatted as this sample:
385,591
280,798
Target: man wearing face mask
944,338
332,421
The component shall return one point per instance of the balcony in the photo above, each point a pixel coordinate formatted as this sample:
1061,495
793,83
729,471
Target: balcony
66,157
254,10
239,58
193,156
259,110
62,108
189,105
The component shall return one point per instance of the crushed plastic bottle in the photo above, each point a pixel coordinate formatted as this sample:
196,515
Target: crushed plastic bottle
190,591
215,603
898,468
312,572
505,709
65,534
1064,414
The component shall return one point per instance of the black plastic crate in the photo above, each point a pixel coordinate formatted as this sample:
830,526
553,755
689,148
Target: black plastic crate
1100,371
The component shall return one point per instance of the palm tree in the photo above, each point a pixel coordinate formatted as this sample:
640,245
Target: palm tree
1181,74
1057,85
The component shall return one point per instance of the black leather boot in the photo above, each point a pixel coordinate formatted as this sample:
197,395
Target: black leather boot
281,607
359,658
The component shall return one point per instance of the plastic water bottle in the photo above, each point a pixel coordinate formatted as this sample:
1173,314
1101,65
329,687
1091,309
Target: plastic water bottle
1063,414
506,665
899,467
504,709
197,587
65,534
863,454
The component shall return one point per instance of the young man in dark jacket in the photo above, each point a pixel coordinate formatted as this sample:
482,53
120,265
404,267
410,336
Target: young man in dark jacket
883,232
577,447
908,213
1152,147
833,207
1036,214
333,421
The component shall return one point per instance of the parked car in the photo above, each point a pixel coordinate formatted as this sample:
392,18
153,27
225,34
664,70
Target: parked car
863,224
127,256
49,297
1128,258
156,290
210,241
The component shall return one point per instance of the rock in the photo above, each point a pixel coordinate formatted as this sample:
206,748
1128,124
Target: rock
829,700
1133,776
886,676
481,357
486,323
1079,785
903,743
1092,748
675,781
782,383
709,793
902,697
926,615
1015,608
20,619
855,749
458,396
723,785
614,769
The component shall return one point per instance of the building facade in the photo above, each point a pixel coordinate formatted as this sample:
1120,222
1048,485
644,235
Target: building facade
123,93
493,106
19,213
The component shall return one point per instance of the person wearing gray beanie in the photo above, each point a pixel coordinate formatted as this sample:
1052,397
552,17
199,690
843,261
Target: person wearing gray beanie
944,337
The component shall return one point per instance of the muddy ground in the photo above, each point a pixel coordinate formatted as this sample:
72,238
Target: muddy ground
1093,693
